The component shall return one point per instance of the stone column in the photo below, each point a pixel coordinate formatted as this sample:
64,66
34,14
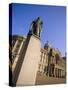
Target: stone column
31,58
17,56
15,46
54,73
61,73
57,72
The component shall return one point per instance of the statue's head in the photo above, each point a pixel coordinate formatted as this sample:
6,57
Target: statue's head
39,20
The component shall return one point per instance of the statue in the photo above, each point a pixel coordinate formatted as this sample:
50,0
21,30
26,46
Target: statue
36,27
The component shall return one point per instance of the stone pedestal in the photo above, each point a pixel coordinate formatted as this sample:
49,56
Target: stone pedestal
27,75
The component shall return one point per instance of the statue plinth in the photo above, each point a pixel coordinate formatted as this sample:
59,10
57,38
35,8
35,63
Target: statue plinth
27,75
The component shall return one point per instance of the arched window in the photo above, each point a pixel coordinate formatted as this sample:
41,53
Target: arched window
57,57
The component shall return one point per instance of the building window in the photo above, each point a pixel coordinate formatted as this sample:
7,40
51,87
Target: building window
44,58
45,69
57,58
41,56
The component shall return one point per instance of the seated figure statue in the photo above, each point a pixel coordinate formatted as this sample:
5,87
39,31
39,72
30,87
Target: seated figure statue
36,27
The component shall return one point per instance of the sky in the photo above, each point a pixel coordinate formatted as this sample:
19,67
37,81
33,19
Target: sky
54,23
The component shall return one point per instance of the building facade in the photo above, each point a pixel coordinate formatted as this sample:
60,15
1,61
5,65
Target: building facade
51,64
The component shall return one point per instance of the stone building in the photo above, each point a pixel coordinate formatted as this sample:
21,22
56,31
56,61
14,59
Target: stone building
51,64
29,64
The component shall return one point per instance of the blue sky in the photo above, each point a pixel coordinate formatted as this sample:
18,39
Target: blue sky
54,23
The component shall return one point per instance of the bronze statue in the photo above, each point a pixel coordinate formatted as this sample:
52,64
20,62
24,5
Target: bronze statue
36,27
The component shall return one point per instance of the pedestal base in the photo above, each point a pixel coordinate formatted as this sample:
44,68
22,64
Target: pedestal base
27,75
